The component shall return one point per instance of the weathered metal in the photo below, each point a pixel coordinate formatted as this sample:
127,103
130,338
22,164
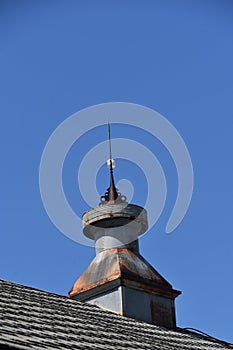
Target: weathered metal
133,270
121,280
114,215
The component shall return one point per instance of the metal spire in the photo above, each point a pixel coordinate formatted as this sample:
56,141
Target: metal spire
112,191
110,148
112,195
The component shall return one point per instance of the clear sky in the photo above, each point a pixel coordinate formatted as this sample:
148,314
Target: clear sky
58,57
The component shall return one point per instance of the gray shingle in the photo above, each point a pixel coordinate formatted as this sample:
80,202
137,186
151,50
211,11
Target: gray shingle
34,319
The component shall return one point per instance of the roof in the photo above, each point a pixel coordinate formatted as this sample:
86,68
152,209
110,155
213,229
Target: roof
34,319
125,265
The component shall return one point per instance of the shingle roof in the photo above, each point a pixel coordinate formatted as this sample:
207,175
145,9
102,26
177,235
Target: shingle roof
34,319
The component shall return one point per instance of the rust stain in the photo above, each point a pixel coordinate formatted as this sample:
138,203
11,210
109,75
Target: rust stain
103,269
104,215
133,270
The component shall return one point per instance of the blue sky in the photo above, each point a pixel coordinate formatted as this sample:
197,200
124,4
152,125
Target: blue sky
58,57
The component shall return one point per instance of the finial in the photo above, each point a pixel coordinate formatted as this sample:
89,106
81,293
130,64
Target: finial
112,194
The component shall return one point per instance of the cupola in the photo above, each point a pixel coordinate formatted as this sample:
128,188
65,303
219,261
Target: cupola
119,279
